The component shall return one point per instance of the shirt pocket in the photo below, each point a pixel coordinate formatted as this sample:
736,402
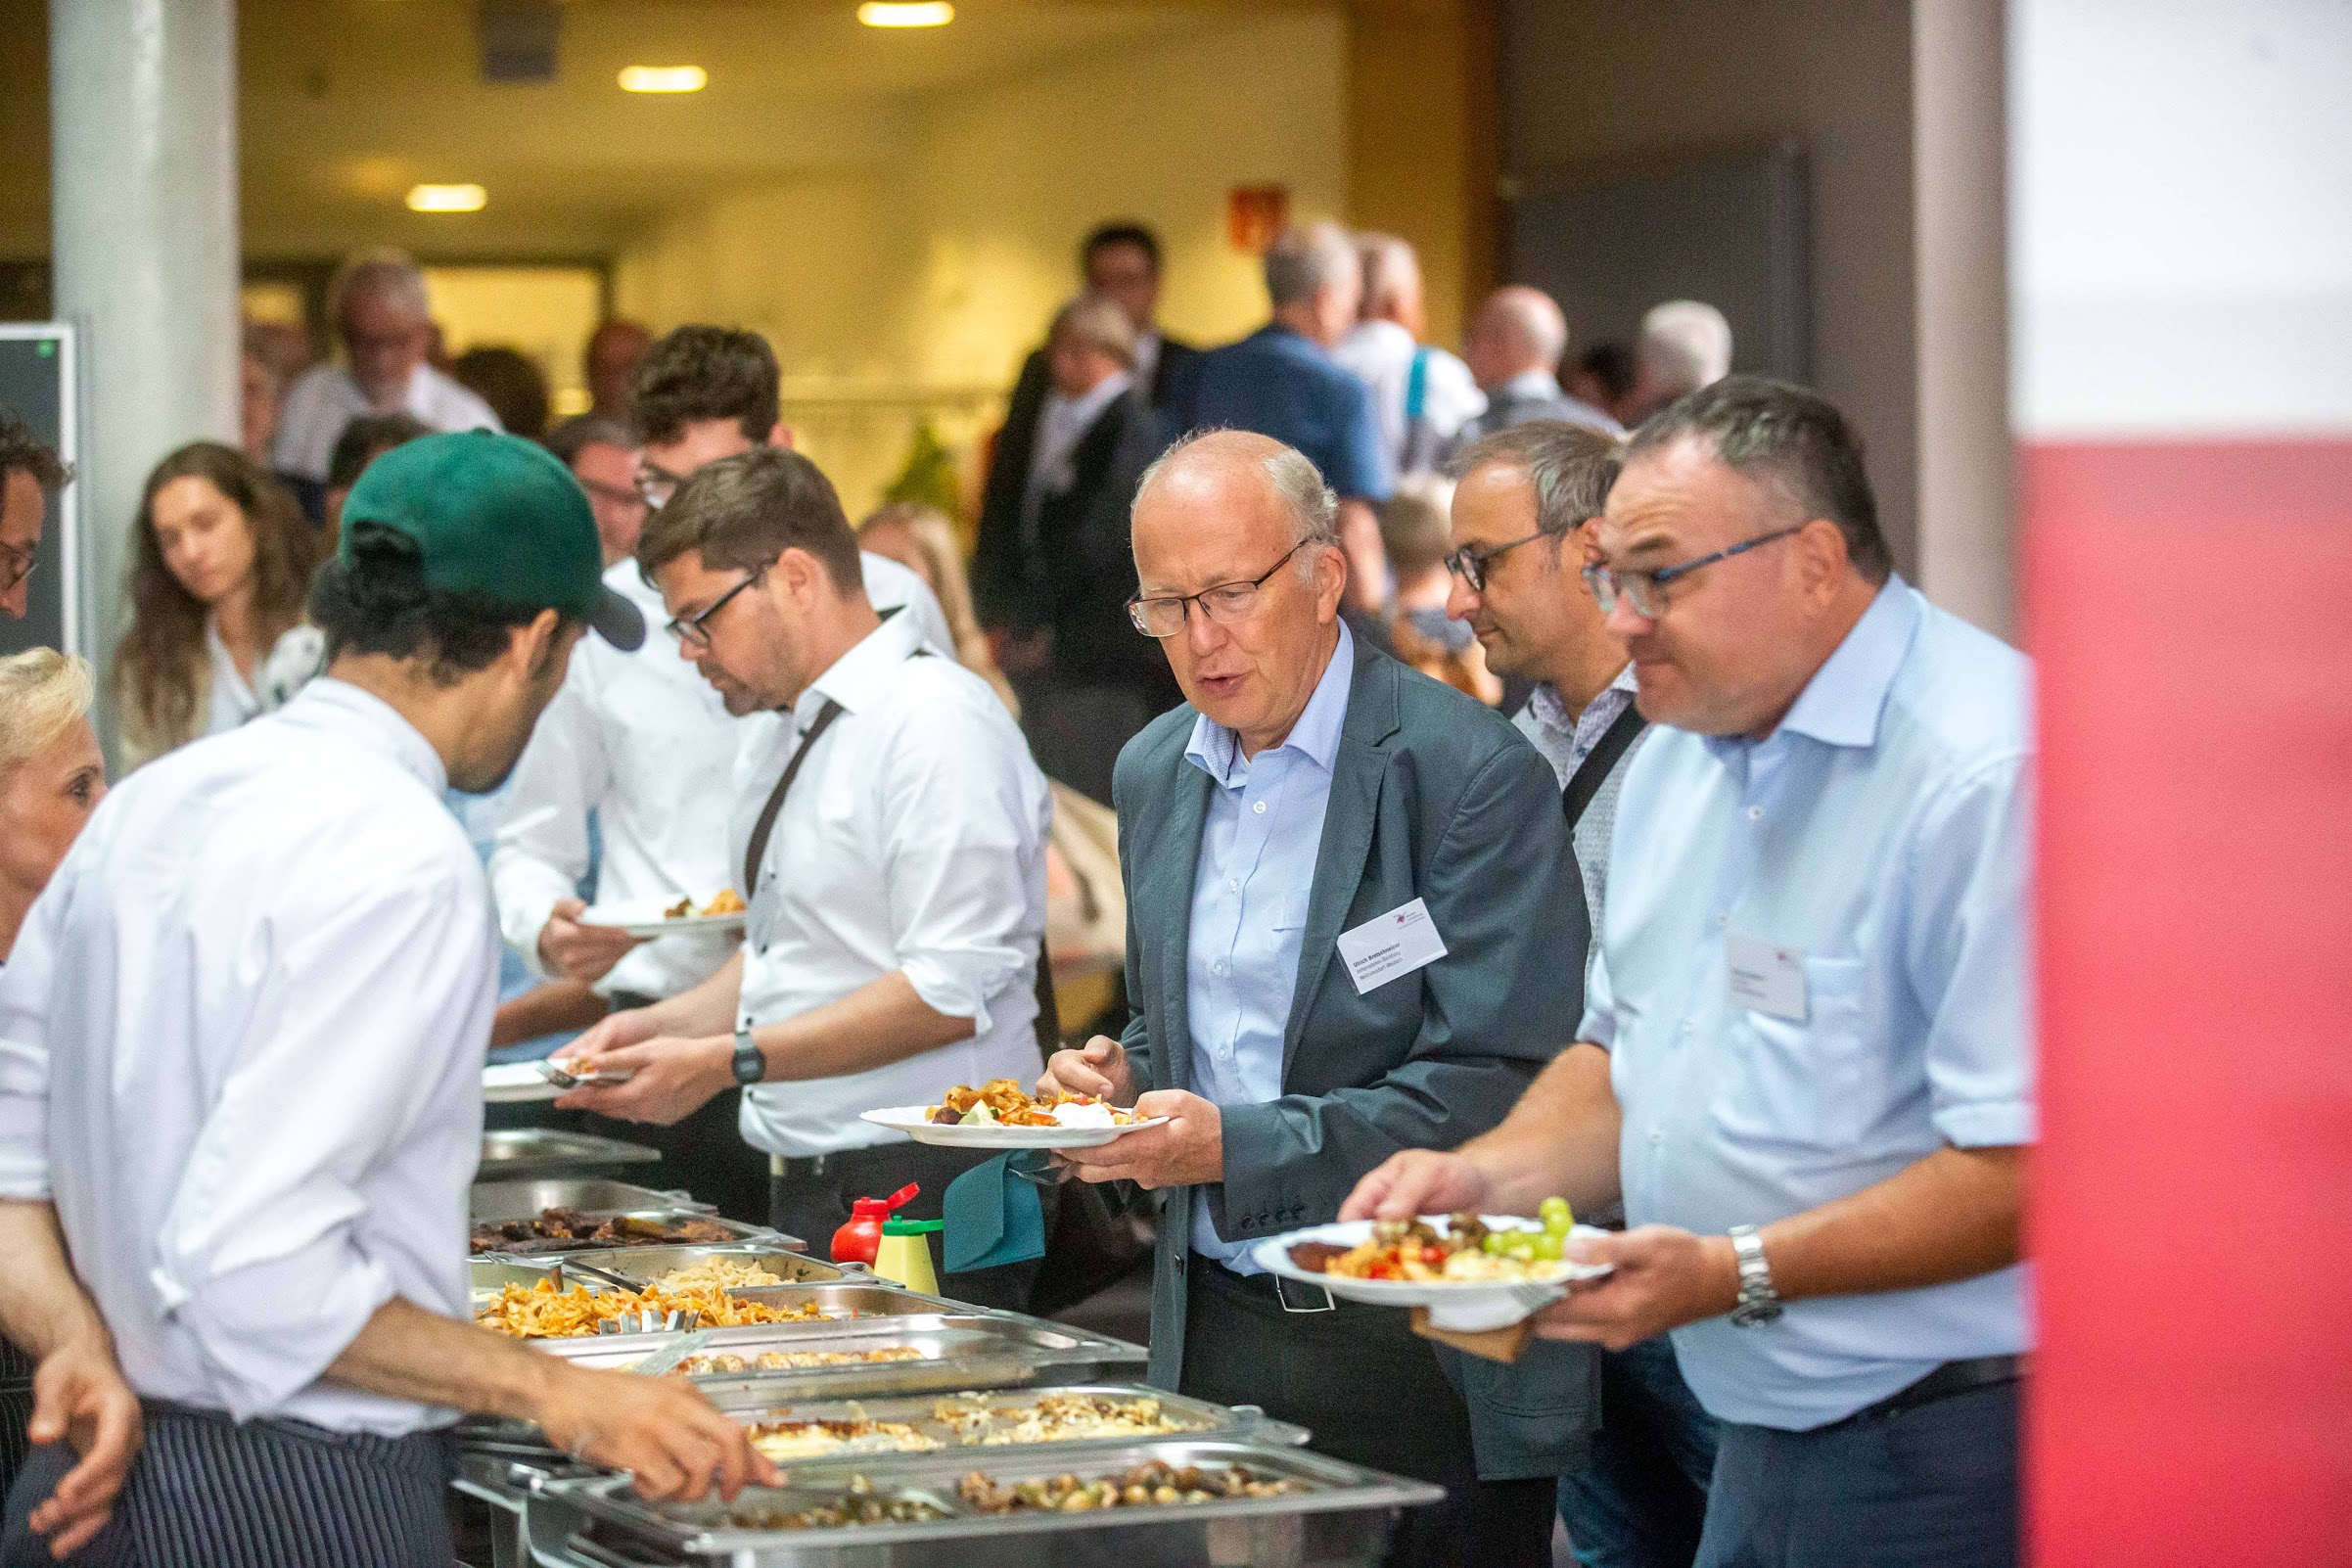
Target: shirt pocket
1820,1083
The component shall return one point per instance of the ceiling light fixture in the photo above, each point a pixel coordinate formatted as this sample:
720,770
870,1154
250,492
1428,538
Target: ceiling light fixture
448,198
664,78
907,13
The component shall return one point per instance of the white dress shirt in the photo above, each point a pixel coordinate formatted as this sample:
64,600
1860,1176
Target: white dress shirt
241,1045
1062,423
913,839
1382,354
643,741
324,398
1565,743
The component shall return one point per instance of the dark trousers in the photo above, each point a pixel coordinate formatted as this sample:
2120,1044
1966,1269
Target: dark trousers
207,1493
1931,1486
1641,1501
1371,1392
813,1199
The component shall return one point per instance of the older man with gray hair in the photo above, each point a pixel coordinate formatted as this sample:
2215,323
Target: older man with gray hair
1684,344
377,302
1353,928
1515,345
1282,382
1424,396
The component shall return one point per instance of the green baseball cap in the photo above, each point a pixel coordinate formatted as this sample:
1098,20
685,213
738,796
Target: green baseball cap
497,516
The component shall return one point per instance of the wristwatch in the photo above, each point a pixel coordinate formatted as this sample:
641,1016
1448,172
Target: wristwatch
1759,1303
750,1066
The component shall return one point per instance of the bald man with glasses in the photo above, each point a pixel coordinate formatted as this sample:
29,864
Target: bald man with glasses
1353,928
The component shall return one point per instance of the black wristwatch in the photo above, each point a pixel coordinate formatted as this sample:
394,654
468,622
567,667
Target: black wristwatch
750,1066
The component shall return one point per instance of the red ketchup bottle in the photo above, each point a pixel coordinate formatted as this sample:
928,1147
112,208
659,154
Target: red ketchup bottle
861,1239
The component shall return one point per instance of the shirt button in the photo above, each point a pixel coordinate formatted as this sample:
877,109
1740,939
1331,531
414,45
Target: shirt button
1755,813
1259,808
1218,968
1688,1026
1723,920
1656,1137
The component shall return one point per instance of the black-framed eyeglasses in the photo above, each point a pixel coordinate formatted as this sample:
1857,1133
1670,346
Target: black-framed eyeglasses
655,484
1645,591
618,494
16,562
693,631
1470,563
1224,603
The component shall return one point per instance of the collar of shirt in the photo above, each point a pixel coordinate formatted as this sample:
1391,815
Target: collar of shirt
1532,385
1147,355
1217,750
1841,704
340,707
1065,421
858,677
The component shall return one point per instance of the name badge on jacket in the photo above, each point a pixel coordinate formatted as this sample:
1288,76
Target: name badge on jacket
1768,978
1387,946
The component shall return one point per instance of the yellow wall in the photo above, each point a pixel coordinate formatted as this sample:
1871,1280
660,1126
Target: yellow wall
917,288
1421,142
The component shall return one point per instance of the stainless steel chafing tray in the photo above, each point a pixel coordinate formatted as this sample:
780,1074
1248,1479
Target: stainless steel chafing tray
638,1267
488,1275
527,1200
545,1151
922,1412
1341,1518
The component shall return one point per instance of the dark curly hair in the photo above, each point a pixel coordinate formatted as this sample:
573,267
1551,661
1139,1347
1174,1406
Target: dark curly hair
373,599
155,662
22,451
698,373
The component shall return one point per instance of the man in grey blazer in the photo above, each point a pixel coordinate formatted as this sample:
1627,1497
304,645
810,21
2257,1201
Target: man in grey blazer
1353,928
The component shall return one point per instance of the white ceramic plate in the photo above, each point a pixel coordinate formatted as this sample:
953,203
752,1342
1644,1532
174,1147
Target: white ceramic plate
1467,1308
911,1119
516,1082
642,918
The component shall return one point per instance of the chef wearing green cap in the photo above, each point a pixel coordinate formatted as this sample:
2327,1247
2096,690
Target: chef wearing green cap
240,1040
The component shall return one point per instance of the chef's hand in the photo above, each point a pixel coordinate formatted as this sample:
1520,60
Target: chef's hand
1664,1279
671,1077
80,1399
660,1429
1101,1068
585,953
1189,1151
1415,1182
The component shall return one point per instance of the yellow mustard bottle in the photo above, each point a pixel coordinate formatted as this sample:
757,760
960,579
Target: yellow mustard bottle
904,1258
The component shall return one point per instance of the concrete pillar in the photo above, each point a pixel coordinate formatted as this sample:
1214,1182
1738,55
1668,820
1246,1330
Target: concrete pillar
1958,196
143,138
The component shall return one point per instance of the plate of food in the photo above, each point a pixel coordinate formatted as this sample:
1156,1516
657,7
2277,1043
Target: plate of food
1472,1271
1001,1115
649,917
514,1081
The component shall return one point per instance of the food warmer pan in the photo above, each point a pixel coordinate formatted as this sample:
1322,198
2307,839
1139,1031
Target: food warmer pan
518,1152
587,1195
921,1411
1342,1516
639,1267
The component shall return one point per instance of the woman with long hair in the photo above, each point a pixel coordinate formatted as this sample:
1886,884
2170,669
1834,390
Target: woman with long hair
921,539
223,561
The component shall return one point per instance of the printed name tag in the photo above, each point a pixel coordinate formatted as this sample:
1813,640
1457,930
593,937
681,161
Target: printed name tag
1387,946
1769,979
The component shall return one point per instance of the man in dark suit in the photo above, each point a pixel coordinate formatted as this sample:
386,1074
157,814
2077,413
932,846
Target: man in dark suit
1053,571
1314,792
1515,348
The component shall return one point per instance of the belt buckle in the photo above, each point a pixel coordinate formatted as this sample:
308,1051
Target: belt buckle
1282,1289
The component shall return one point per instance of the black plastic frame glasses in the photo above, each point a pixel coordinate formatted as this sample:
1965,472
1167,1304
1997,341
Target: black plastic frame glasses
1223,602
1470,563
690,629
16,562
1646,590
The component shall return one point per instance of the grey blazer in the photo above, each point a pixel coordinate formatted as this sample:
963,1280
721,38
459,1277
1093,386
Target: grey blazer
1434,795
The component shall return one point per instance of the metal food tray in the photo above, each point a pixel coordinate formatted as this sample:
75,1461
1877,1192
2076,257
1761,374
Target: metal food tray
757,1406
963,1350
587,1195
550,1248
639,1267
543,1151
1344,1519
488,1275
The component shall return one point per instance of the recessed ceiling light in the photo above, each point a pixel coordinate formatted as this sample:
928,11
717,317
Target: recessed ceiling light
907,13
446,198
664,78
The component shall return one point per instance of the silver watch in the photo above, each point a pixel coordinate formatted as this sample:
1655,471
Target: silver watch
1759,1303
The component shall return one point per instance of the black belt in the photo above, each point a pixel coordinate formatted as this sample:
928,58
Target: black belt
789,1167
1288,1294
1950,1379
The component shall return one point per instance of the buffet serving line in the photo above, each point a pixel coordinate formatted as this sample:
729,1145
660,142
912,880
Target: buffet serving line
913,1429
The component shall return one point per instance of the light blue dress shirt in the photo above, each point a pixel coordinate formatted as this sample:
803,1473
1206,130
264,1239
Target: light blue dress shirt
1259,844
1881,831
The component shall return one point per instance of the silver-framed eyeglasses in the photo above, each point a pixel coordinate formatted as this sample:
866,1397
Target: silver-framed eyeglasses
1645,591
15,563
1165,614
694,630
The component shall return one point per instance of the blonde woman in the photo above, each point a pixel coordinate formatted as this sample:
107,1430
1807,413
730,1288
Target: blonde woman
921,539
51,774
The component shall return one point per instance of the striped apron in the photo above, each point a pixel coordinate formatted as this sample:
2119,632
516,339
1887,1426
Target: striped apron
15,1408
207,1493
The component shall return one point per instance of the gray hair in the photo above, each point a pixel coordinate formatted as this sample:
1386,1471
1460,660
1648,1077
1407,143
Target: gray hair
1313,506
42,692
1685,345
1303,260
388,275
1097,321
1570,467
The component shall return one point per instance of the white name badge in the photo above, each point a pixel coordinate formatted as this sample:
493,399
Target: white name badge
1387,946
1768,978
